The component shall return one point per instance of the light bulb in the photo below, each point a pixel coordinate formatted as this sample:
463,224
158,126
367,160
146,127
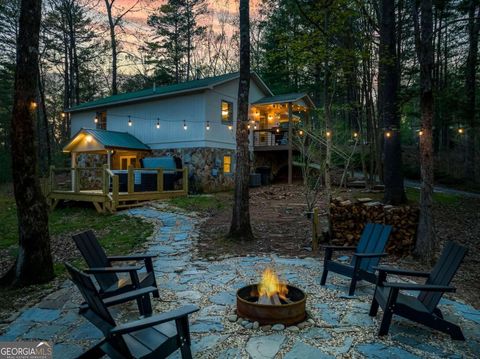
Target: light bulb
460,130
230,127
355,134
300,133
420,133
208,126
328,133
388,134
95,119
185,125
129,121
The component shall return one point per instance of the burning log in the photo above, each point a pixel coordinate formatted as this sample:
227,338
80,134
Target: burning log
270,289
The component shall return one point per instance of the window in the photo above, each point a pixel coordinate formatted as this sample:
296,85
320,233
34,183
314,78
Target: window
102,120
227,164
227,113
126,161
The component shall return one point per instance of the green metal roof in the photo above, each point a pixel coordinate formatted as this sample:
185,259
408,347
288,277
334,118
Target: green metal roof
158,92
111,139
289,97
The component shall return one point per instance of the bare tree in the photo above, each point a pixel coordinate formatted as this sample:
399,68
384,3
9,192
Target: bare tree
240,227
34,261
115,16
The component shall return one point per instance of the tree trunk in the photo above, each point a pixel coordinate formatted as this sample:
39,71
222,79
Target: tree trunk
34,261
388,106
470,88
240,227
113,42
426,241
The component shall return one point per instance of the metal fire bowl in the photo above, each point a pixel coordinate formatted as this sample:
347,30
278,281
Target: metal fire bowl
287,314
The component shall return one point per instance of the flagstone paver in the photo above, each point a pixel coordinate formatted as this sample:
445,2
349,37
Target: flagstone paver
340,325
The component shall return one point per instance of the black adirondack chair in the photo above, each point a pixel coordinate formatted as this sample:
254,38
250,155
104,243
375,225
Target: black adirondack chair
366,255
153,337
423,308
100,265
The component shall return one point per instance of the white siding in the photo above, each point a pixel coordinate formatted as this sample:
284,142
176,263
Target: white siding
171,112
82,120
195,109
219,135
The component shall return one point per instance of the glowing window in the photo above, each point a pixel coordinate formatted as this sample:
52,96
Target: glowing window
227,112
227,164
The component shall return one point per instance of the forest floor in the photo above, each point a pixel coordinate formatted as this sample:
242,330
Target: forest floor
280,226
118,234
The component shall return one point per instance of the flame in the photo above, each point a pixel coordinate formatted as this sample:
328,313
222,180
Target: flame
270,285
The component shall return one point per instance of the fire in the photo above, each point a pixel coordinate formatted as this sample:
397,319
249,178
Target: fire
270,285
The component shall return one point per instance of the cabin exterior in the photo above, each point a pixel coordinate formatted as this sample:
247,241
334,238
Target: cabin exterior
195,122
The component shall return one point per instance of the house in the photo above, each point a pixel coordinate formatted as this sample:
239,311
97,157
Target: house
195,122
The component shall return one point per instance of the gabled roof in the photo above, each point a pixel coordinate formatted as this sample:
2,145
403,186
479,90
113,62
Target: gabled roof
184,87
109,139
289,97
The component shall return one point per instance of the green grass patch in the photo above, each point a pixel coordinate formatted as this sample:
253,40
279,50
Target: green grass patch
199,203
118,234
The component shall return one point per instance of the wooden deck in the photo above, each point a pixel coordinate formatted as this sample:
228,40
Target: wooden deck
106,198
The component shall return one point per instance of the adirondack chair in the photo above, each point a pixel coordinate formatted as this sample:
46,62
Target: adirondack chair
100,265
153,337
366,255
423,308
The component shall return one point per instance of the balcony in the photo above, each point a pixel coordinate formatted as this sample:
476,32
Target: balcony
270,139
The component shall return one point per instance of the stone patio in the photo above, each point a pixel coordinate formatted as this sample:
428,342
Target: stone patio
339,325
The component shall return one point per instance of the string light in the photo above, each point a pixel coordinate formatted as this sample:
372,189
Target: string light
230,127
63,114
277,130
388,134
208,126
300,132
95,119
461,130
33,104
255,126
355,134
328,133
158,123
248,126
420,133
129,121
185,125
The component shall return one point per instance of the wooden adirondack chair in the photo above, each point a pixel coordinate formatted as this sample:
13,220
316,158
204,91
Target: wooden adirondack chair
423,308
366,255
100,265
153,337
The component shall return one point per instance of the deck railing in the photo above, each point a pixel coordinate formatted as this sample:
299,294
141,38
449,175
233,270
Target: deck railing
270,137
102,185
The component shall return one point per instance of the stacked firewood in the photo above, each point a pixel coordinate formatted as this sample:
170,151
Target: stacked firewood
348,218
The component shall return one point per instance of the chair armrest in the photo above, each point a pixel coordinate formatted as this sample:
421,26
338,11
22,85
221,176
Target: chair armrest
128,296
426,287
113,269
133,257
400,271
369,255
339,248
154,320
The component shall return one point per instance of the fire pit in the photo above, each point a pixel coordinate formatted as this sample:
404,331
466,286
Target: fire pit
271,302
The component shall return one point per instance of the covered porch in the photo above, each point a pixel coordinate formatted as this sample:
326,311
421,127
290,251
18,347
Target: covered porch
106,170
274,120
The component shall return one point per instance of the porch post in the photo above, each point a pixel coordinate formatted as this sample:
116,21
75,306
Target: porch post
73,156
109,159
290,140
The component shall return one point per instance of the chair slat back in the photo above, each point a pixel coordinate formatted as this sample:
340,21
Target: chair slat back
443,272
93,253
373,240
90,293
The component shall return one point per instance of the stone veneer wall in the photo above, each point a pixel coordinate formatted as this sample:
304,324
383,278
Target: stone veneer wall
206,165
91,179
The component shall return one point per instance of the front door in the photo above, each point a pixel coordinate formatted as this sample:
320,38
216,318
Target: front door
126,161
